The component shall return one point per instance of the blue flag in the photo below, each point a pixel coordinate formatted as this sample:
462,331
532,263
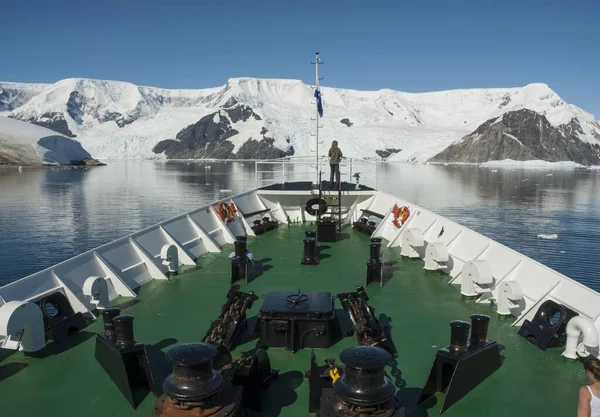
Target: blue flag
319,103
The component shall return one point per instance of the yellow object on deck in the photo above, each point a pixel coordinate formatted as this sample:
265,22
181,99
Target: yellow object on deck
334,374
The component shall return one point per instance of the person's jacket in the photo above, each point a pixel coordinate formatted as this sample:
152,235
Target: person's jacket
335,154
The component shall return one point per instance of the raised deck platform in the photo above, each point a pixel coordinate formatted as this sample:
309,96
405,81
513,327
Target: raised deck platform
307,186
68,382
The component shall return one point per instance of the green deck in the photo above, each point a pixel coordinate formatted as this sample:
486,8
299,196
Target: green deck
420,304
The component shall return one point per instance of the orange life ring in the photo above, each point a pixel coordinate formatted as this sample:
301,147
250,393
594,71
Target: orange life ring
401,213
225,211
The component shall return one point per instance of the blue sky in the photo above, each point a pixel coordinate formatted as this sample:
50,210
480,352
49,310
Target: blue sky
411,46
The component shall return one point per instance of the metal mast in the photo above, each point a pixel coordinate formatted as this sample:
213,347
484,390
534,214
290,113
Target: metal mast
317,107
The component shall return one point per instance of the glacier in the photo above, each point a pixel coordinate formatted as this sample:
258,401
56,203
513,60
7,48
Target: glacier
26,144
115,119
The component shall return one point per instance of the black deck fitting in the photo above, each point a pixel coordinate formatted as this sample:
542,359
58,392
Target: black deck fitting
264,226
365,226
459,335
364,382
310,256
369,332
239,263
108,316
297,320
196,386
375,263
193,379
464,364
318,380
59,317
548,328
362,388
125,360
327,229
255,376
231,323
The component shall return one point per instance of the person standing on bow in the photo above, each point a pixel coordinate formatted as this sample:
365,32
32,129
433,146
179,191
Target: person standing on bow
589,395
335,154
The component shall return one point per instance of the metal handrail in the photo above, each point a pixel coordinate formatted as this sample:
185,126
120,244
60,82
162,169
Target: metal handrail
303,168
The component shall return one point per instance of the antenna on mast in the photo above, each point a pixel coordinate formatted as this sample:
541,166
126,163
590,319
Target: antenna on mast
319,109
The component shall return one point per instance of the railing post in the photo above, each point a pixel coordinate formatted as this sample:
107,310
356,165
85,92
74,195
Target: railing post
256,175
283,171
350,180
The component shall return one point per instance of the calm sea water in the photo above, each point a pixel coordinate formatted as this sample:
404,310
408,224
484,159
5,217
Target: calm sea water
49,215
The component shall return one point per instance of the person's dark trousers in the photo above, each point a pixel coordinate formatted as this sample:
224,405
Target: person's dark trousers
335,170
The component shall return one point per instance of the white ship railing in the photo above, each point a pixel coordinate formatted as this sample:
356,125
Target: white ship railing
305,168
134,260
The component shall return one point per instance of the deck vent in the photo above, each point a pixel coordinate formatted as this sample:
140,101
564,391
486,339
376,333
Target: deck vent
310,256
464,364
581,326
363,389
547,328
375,262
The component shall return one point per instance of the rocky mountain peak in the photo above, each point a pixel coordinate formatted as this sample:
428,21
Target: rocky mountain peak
522,135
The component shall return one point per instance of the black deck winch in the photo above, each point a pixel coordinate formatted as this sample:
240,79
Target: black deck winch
124,359
359,389
369,332
375,262
297,320
239,262
310,256
464,363
195,388
193,378
548,328
232,321
364,383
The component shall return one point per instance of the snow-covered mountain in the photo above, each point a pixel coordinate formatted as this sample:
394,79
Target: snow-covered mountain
522,135
118,119
26,144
